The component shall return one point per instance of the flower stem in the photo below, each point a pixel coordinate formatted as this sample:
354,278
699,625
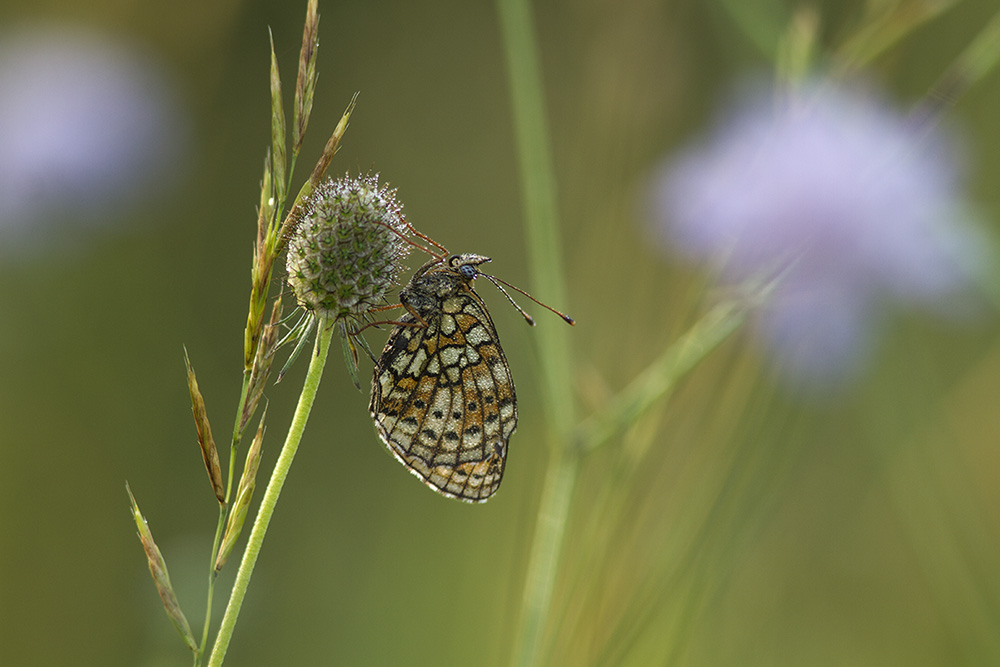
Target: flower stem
544,252
221,525
270,499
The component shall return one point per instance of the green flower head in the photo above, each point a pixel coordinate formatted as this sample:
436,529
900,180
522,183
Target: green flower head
347,249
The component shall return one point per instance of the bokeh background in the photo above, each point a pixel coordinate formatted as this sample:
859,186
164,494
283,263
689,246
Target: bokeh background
738,523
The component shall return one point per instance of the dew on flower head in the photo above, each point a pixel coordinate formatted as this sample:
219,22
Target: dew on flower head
840,192
347,249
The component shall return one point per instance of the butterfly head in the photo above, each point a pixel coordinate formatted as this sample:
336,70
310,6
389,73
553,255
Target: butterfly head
466,264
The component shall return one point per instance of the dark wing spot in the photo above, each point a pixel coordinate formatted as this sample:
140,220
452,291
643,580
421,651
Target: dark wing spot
457,414
488,399
492,417
438,414
419,405
410,421
473,430
473,406
398,345
450,435
430,434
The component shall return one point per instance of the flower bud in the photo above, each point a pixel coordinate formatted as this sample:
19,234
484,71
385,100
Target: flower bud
347,249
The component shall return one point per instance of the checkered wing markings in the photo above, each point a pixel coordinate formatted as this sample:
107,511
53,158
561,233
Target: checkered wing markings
444,402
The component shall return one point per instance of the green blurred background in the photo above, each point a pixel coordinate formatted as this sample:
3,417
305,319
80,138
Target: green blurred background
734,525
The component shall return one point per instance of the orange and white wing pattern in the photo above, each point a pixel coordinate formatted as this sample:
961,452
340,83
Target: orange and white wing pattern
443,398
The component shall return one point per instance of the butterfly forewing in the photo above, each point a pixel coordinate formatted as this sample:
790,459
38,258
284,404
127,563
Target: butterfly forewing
442,395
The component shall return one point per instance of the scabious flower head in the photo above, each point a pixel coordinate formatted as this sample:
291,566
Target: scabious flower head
856,204
347,250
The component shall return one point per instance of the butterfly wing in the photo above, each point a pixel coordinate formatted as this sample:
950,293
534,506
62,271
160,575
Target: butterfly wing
443,399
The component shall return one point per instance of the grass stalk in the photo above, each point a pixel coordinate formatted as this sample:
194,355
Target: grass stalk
545,259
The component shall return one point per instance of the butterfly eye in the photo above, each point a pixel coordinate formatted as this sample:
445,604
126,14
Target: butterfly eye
467,270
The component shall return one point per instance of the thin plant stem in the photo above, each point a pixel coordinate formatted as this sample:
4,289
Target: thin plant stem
270,499
661,374
212,576
237,436
221,525
545,258
546,547
541,217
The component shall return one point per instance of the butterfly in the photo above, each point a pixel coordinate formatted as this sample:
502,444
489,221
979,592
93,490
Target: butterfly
443,398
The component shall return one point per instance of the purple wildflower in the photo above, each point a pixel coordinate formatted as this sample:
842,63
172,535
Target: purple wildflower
87,125
855,204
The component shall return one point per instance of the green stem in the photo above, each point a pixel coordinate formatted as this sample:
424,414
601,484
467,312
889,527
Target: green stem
237,436
270,499
234,446
541,216
553,513
545,257
212,576
660,376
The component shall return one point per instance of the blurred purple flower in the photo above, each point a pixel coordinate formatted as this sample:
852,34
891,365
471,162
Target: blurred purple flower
87,126
859,207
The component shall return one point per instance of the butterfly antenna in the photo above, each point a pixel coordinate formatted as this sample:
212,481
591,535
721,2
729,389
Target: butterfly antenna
413,243
498,282
444,251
